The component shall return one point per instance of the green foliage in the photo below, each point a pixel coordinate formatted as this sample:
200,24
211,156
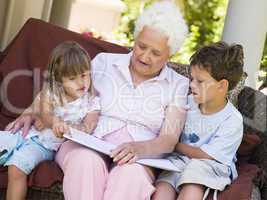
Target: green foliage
263,67
124,32
205,19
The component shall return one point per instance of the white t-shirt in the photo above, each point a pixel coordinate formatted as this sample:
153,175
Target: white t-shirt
219,134
140,109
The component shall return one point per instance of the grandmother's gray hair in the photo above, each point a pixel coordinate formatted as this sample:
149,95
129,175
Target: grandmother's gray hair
165,17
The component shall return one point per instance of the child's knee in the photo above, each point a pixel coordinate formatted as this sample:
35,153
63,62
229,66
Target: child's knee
164,190
192,191
15,173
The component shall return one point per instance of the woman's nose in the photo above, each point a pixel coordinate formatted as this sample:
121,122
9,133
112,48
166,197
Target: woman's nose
145,56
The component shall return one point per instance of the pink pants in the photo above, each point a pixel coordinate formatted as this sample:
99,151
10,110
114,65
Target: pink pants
87,175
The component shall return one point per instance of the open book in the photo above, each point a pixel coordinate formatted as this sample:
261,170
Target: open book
105,147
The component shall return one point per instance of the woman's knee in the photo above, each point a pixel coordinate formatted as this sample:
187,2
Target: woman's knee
126,176
133,173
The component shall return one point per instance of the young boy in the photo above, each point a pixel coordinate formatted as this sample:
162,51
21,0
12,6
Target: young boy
205,155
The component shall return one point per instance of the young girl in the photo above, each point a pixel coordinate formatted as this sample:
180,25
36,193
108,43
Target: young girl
66,100
213,130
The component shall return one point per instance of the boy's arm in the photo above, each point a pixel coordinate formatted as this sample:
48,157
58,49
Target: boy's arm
89,123
222,146
191,152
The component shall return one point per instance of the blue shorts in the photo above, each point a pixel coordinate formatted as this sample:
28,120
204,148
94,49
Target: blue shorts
25,154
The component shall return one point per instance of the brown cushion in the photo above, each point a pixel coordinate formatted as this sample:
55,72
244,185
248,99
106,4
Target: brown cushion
3,177
248,145
4,120
1,56
241,188
30,51
44,175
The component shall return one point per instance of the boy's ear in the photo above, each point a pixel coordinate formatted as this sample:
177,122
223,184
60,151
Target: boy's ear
223,85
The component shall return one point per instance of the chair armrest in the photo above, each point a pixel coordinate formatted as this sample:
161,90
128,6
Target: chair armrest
252,104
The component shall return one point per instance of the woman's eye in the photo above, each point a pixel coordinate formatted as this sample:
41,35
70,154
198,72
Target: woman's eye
142,47
156,54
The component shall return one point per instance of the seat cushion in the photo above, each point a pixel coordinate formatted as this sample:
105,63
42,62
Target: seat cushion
242,187
44,175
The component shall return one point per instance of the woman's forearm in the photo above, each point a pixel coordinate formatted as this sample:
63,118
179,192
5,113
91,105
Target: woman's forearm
169,133
158,146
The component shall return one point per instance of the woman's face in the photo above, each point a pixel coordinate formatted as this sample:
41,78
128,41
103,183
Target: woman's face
150,53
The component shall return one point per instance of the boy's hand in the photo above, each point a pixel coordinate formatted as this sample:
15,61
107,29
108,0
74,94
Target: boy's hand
38,124
59,128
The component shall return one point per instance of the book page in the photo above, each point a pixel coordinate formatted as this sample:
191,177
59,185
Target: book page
102,146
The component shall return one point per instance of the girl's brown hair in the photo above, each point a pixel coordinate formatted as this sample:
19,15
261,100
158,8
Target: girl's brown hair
67,59
222,61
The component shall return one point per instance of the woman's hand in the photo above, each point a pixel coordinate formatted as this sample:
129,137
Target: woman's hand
24,121
38,124
59,128
127,153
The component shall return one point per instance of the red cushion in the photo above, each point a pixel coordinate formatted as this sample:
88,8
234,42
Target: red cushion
44,175
4,120
3,177
249,142
241,188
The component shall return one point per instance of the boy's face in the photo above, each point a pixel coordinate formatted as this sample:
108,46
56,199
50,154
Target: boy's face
204,88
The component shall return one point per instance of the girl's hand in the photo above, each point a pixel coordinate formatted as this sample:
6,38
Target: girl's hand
127,153
38,124
59,128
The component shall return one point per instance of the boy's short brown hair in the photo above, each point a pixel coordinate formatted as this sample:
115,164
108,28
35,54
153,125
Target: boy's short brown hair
222,61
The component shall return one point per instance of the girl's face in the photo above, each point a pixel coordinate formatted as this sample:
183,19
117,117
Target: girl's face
76,86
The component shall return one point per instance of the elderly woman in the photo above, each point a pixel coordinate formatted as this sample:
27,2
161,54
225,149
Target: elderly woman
143,110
